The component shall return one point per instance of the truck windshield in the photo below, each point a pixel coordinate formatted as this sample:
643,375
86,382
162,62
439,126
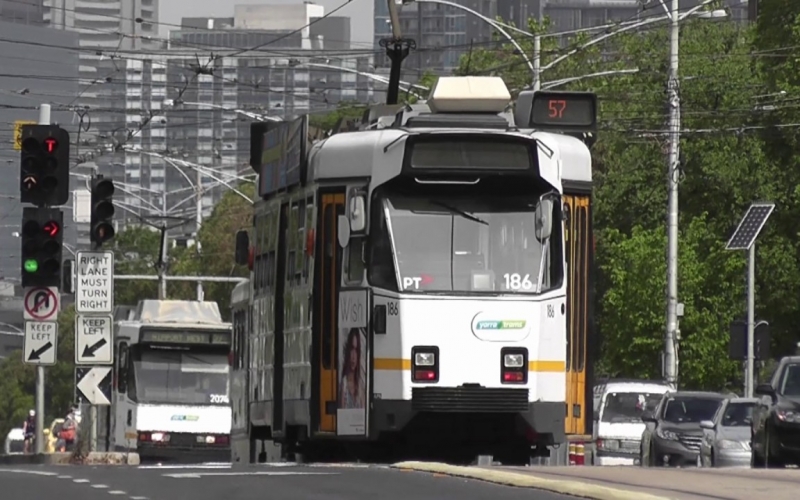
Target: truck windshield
452,244
628,406
180,377
690,410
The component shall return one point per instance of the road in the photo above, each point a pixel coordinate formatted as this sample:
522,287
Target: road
213,482
684,484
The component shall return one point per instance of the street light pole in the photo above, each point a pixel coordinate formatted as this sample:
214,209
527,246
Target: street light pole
673,173
198,221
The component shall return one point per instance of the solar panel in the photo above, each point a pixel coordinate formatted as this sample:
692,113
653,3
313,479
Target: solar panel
750,226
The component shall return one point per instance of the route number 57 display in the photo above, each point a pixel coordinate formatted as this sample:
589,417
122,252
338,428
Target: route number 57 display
517,281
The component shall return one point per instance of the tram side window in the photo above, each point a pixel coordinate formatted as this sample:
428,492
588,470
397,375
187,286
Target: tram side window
381,262
355,261
122,368
309,228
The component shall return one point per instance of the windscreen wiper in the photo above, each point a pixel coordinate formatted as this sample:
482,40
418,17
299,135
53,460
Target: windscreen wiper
459,212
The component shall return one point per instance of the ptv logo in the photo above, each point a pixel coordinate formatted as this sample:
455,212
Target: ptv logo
416,282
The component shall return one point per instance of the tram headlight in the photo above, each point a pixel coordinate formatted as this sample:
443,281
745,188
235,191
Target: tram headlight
424,359
513,360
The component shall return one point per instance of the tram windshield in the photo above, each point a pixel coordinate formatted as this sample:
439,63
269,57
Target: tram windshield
460,244
181,377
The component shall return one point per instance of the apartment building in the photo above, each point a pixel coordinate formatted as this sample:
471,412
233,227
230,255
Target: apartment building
204,117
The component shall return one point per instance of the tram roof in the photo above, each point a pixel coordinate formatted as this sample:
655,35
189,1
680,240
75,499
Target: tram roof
354,154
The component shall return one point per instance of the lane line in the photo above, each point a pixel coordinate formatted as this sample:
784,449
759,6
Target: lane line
80,481
116,492
99,486
32,472
198,475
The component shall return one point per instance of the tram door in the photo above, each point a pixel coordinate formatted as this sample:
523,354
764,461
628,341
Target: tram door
578,255
327,305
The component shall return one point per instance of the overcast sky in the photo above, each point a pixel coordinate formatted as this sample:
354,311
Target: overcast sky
359,11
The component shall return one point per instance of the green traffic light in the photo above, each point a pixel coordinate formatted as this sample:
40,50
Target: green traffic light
31,266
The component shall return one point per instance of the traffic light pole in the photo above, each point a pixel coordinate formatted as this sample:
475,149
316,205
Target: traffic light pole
44,119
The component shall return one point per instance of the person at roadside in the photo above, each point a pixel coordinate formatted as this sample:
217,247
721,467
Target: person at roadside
29,431
69,432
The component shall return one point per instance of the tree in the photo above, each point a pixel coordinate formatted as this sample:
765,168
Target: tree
217,243
722,172
136,251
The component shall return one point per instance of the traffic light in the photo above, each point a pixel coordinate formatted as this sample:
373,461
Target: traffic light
44,165
102,228
42,246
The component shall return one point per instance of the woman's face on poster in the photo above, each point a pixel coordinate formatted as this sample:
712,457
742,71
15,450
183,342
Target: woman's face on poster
352,355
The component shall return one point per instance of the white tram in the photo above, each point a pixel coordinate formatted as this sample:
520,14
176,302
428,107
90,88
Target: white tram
408,281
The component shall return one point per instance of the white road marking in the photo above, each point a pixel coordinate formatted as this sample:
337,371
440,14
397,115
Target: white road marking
197,466
99,486
65,477
32,472
116,492
138,498
80,481
198,475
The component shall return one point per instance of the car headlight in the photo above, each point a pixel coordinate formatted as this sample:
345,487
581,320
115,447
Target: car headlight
668,435
424,359
788,416
727,444
513,360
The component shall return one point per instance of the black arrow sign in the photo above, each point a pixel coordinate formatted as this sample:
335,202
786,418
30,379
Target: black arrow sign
89,351
38,353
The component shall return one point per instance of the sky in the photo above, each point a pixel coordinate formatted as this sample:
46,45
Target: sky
359,12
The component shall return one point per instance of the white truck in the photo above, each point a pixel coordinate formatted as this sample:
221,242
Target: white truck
171,382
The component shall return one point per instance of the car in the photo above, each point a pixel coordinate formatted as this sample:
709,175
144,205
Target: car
726,438
672,434
618,425
15,442
776,418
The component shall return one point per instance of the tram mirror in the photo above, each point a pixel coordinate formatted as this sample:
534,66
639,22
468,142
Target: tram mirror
343,231
358,217
544,219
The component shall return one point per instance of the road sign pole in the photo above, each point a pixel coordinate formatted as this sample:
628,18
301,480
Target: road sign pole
44,119
751,284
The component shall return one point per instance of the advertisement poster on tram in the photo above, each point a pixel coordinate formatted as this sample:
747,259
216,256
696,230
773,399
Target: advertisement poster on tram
351,416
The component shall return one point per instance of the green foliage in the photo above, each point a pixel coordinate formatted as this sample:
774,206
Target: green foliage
344,111
216,255
728,159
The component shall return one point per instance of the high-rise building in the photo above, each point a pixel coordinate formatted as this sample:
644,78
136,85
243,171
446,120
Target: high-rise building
204,117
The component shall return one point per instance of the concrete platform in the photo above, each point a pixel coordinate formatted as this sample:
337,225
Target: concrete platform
635,483
94,458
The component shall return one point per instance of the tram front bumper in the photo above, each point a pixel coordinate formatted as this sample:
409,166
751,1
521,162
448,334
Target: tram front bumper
449,407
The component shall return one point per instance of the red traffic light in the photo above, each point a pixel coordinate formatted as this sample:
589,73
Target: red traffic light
51,228
50,145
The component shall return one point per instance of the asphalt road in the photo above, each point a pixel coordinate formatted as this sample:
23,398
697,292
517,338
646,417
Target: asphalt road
248,483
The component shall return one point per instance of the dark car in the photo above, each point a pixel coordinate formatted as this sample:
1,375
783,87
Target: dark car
776,418
673,433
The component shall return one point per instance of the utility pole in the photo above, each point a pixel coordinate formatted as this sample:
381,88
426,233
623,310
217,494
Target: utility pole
44,119
537,61
673,174
162,264
198,222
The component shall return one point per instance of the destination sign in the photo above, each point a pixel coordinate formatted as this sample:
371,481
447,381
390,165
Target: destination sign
468,152
565,110
186,337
